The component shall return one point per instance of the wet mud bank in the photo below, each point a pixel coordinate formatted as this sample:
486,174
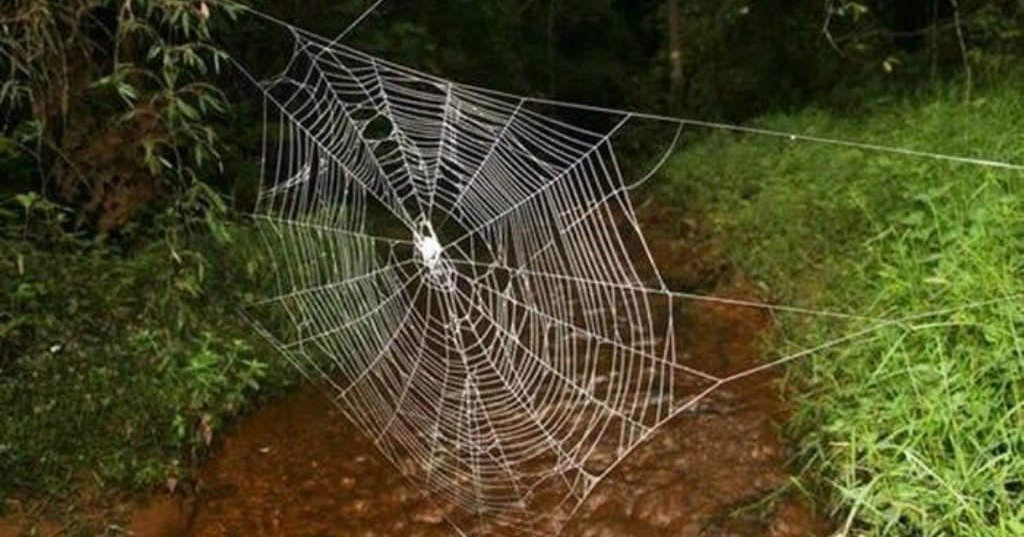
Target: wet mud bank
298,468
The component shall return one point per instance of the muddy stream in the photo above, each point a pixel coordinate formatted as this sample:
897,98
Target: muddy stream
297,468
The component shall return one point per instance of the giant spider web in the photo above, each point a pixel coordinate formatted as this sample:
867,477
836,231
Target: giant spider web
468,276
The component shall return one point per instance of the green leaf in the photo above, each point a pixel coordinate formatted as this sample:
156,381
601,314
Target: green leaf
188,111
127,92
27,200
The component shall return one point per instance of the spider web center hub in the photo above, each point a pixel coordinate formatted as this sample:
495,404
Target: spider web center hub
430,254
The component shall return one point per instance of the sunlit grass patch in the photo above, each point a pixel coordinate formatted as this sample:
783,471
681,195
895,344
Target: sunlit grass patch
917,429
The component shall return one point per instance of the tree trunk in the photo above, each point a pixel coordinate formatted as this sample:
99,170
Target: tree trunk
552,14
675,56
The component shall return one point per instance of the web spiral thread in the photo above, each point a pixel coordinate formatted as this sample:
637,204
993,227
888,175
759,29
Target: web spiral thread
469,278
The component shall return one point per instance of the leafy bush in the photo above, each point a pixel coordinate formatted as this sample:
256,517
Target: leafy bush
112,99
115,360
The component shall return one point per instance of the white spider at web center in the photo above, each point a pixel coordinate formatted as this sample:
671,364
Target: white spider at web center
430,251
431,256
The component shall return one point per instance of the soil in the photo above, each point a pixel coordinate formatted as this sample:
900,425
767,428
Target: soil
298,468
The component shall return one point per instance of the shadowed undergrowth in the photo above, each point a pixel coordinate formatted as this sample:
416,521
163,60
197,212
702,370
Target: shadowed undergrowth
120,361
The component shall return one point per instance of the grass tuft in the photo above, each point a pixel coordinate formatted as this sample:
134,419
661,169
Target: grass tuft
918,429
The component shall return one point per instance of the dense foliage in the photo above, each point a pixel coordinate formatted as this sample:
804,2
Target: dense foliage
917,429
111,100
114,106
117,362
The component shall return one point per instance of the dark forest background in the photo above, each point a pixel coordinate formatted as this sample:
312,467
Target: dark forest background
84,76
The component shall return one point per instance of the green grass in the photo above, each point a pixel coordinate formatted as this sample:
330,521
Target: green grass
119,362
917,429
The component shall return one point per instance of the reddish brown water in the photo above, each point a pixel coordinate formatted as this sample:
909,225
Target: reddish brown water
297,468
